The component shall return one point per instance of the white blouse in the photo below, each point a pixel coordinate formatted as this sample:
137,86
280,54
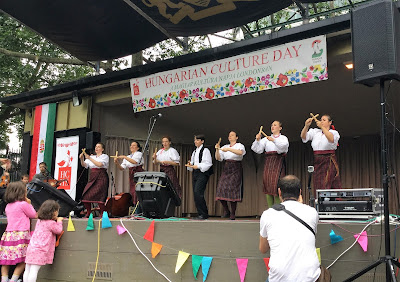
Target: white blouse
137,157
103,158
168,155
232,156
206,161
319,141
279,145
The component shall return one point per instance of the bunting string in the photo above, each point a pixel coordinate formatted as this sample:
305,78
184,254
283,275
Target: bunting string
130,235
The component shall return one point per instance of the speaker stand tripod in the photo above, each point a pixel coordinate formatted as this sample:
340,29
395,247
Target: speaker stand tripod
387,259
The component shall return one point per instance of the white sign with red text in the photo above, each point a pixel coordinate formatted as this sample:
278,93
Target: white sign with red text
66,168
289,64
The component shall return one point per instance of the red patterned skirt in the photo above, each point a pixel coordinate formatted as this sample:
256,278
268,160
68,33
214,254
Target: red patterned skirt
97,187
230,184
274,169
132,183
170,171
326,171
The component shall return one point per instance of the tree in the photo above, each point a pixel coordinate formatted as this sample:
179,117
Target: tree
28,62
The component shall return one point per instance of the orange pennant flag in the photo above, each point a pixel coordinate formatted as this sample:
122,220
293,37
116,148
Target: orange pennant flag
155,249
150,233
266,261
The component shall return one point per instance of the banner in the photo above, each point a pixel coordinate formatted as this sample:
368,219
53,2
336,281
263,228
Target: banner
67,151
43,137
289,64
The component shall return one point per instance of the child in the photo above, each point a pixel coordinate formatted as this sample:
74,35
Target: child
42,245
15,239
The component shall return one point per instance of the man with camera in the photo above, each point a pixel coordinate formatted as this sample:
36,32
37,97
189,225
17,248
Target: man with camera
288,231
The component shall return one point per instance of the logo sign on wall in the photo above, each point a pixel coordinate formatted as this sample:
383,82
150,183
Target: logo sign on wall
290,64
66,167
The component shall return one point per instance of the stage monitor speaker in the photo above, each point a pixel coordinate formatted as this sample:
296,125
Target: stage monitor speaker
92,138
157,196
375,40
39,191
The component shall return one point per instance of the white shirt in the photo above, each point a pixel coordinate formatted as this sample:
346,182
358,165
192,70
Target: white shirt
206,161
293,256
171,155
232,156
137,157
319,141
103,158
279,145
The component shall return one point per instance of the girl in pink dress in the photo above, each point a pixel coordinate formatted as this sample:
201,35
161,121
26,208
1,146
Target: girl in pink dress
42,245
15,239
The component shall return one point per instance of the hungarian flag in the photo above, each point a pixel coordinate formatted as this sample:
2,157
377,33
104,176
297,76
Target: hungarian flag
43,137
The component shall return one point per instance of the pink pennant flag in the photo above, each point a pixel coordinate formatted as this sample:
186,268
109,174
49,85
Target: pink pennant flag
363,240
242,267
120,230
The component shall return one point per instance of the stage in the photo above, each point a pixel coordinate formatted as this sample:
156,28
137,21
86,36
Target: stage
223,240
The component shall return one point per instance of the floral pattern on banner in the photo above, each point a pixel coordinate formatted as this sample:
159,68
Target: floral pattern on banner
237,87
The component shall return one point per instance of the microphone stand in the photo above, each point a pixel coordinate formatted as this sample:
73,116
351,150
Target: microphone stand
310,193
152,122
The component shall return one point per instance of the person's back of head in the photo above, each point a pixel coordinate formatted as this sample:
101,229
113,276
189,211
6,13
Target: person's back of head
290,187
16,191
47,210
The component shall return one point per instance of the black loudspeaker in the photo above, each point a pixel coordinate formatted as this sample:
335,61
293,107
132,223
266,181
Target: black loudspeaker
375,42
92,138
157,196
39,191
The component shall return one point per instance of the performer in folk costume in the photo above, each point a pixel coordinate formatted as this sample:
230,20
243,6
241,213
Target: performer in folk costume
324,141
97,187
275,147
134,163
230,185
168,158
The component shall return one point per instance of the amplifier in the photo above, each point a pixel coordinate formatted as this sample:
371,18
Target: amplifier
349,202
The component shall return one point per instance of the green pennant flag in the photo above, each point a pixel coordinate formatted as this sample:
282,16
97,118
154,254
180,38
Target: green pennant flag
196,262
90,224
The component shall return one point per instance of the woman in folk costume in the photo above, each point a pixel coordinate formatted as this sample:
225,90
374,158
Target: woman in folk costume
324,141
168,158
134,163
97,187
230,184
275,147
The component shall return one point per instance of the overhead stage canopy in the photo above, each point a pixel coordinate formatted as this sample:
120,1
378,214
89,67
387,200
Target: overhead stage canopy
107,29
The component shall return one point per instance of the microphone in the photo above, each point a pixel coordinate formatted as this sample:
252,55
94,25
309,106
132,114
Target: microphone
157,115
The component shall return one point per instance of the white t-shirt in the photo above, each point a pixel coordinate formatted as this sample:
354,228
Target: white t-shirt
171,155
319,141
137,157
232,156
279,145
293,256
103,158
206,161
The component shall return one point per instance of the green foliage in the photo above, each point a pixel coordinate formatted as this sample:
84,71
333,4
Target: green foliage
19,75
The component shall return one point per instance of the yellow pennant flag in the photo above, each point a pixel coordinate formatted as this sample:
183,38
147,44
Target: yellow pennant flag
182,257
319,255
71,226
155,249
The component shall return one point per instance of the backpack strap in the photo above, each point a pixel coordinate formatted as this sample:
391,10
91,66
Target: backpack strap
280,207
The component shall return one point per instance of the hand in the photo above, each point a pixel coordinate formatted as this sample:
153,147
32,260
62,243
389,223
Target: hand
258,137
225,149
81,155
121,157
60,219
308,122
300,200
270,138
217,146
28,200
86,155
154,156
319,124
116,161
